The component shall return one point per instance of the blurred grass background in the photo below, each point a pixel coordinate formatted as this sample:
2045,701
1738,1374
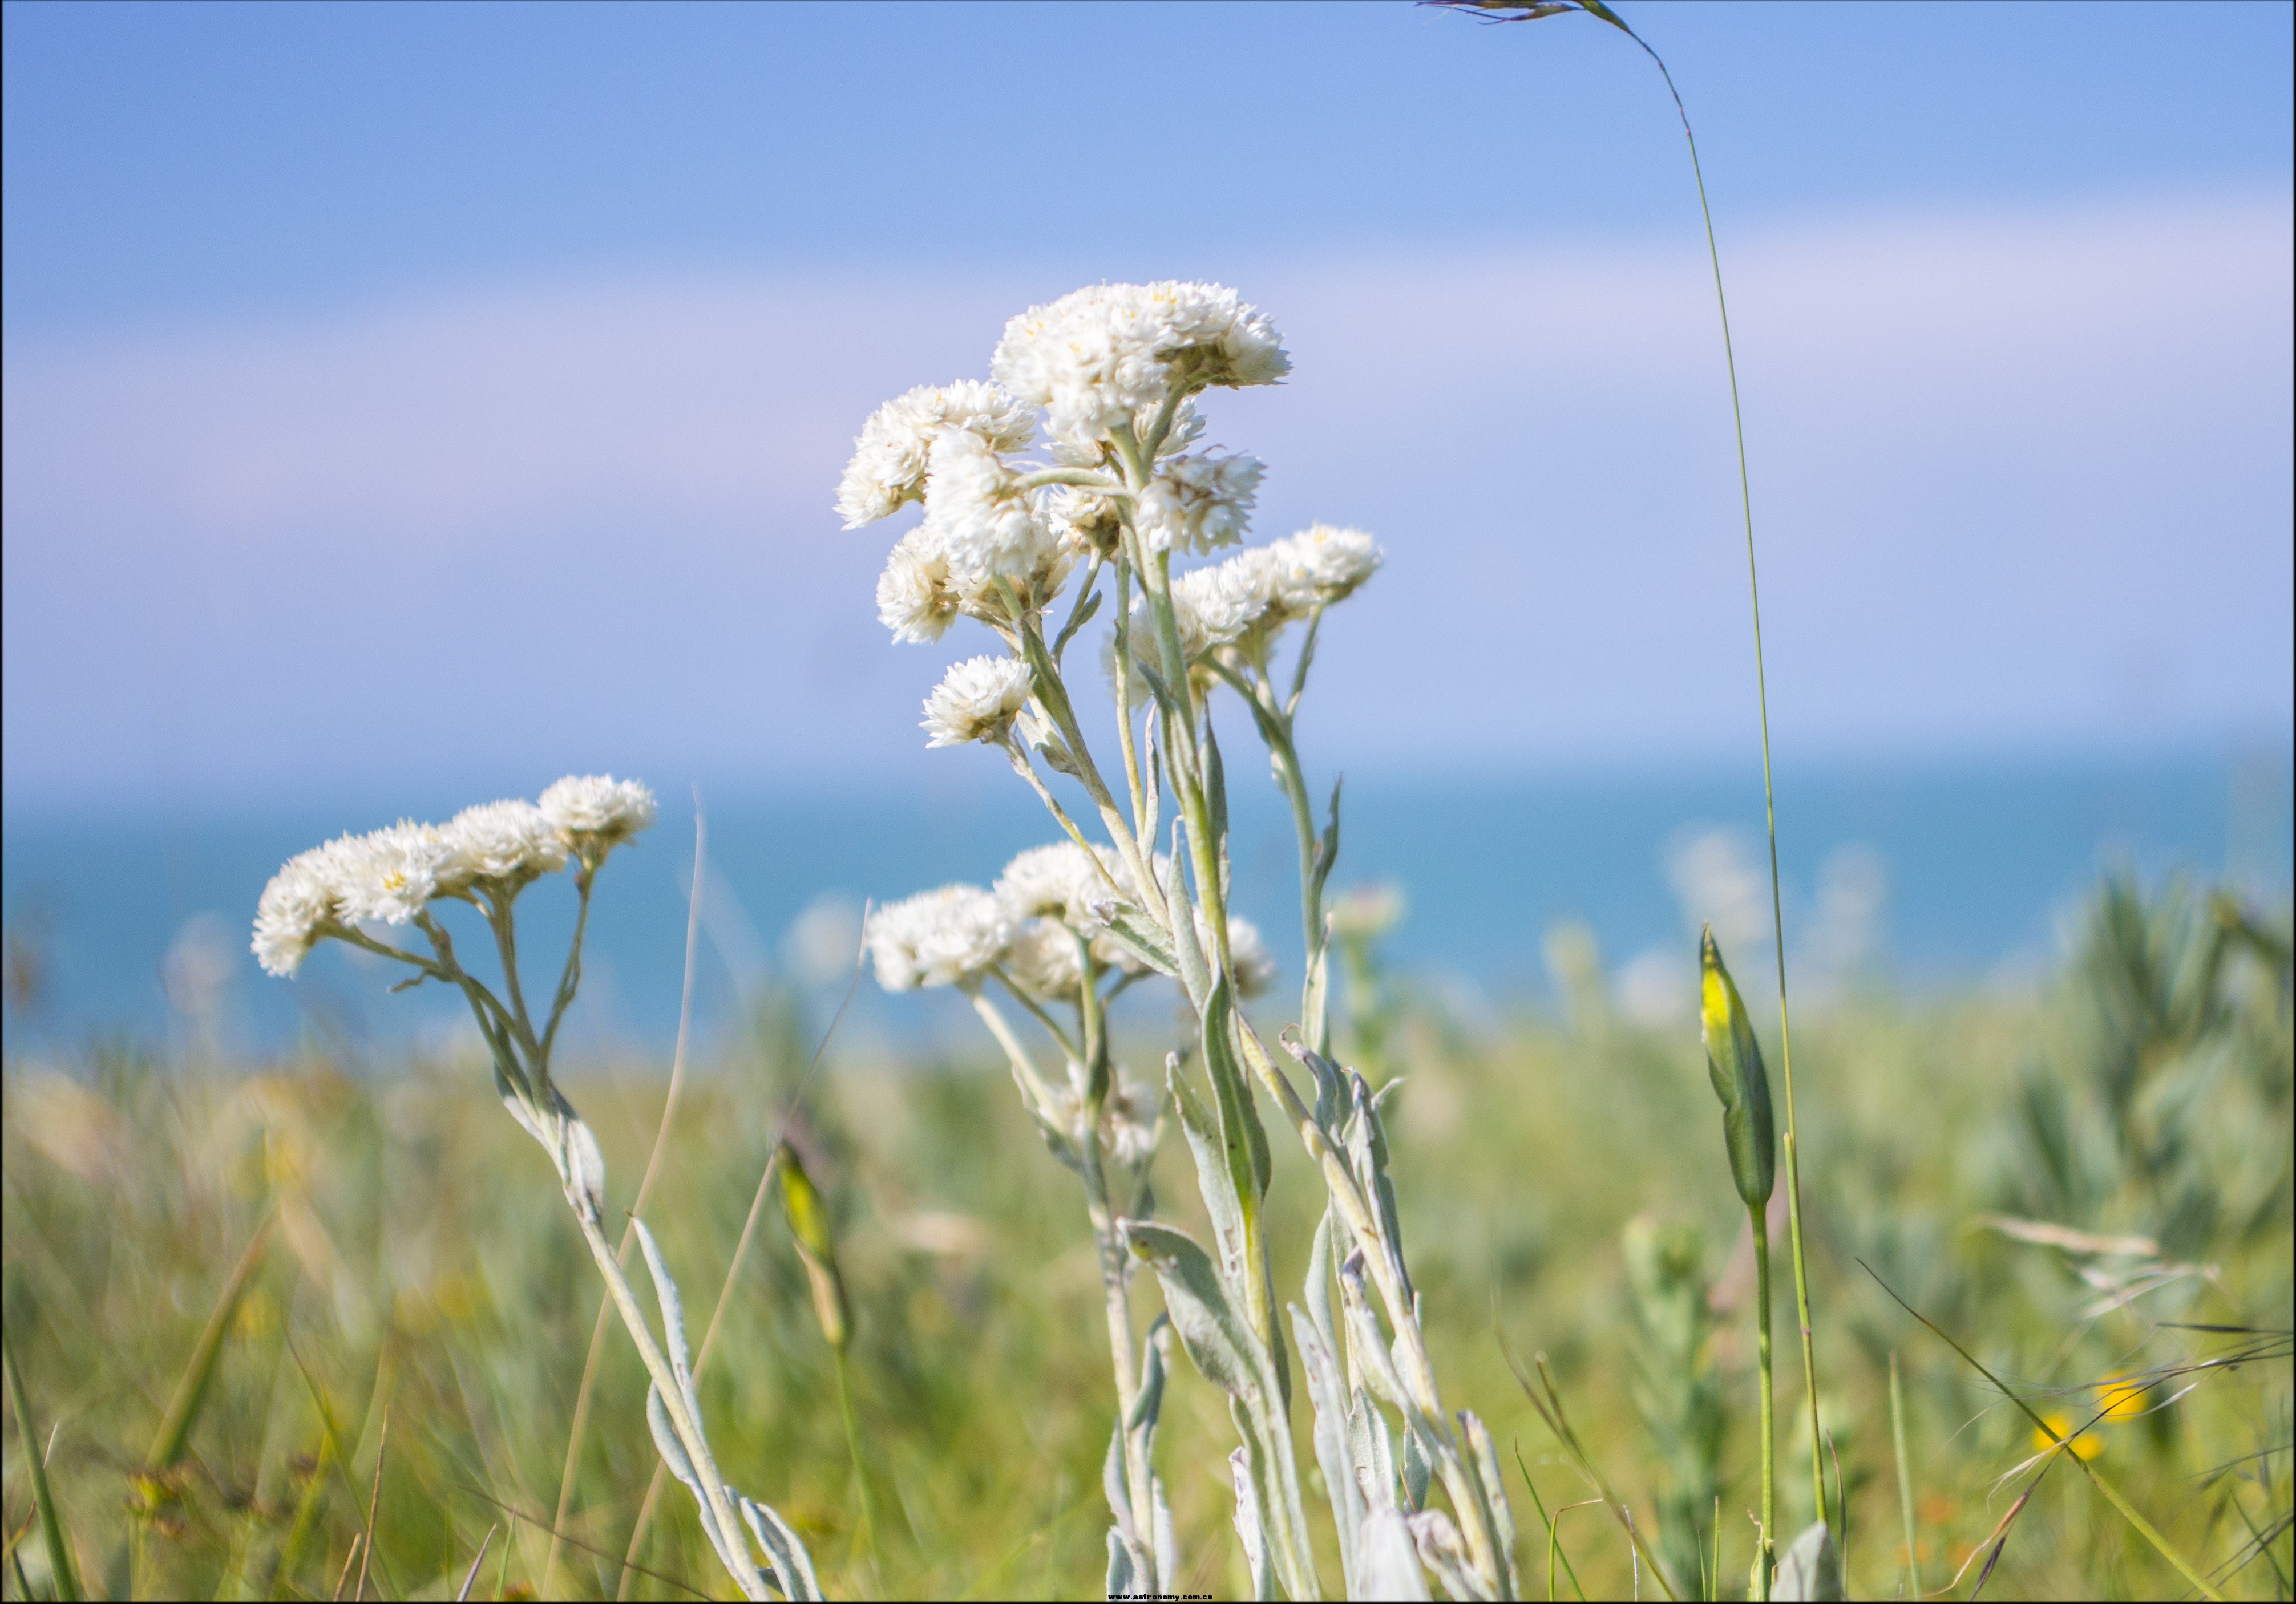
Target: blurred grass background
1562,1174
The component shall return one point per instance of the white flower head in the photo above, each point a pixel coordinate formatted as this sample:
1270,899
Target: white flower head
890,456
1322,564
1099,357
914,597
596,813
982,523
945,937
1196,503
297,907
501,844
1134,1114
978,699
1060,881
1043,960
1247,954
390,874
1230,600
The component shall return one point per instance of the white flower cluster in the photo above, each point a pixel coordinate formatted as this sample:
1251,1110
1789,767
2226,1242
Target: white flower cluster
1030,924
388,876
995,542
1246,600
890,456
1099,358
1197,502
977,699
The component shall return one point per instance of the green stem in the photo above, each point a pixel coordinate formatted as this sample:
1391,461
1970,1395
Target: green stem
1905,1478
51,1532
1764,1558
860,1473
1769,795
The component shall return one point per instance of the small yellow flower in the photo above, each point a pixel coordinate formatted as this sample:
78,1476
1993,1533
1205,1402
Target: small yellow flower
2120,1398
2086,1445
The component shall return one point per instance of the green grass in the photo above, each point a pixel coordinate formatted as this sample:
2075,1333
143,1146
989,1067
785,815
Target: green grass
420,1258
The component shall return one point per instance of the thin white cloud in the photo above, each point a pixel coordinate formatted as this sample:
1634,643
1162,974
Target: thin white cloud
1990,452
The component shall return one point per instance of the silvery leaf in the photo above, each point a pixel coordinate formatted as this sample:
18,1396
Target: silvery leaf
1364,1342
1128,1575
1331,1088
1319,1281
1484,1454
1251,1528
1214,1178
673,1454
791,1566
1168,1551
1114,1481
1371,1454
1149,1403
1811,1567
1444,1552
1389,1567
1416,1470
1327,1393
1208,1325
1133,930
673,1318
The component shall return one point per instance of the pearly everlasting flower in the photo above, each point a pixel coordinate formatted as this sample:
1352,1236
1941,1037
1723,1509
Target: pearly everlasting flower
1196,503
1042,961
295,908
977,699
1247,954
597,811
1321,565
985,528
1230,600
914,597
500,843
390,874
1060,882
1084,520
945,937
1100,358
890,456
1134,1117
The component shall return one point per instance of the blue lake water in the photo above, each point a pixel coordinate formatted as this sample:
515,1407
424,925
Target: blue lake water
1977,864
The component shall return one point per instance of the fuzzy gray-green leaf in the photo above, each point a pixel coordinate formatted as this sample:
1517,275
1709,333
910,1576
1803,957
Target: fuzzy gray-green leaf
1327,1393
1811,1569
1211,1329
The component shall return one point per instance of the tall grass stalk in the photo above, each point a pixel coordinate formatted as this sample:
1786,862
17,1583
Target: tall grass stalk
1761,1235
1905,1477
60,1567
1598,9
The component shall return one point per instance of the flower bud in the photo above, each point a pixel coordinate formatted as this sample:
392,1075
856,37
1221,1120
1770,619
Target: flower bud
1733,1060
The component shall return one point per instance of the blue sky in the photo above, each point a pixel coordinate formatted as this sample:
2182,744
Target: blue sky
456,391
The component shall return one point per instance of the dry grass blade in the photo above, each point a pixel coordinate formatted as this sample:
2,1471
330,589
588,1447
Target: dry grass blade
471,1578
540,1525
175,1433
358,1545
60,1554
374,1503
2112,1495
1550,1409
597,1348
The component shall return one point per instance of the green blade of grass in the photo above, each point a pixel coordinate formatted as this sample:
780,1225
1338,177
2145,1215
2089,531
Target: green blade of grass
1904,1477
52,1532
2113,1494
175,1433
